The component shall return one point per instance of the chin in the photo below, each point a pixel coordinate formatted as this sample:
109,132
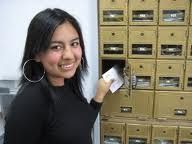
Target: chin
70,75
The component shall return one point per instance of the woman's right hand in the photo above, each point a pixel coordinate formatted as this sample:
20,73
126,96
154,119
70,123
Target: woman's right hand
102,89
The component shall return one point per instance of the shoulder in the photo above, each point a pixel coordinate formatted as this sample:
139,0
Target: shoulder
31,92
30,99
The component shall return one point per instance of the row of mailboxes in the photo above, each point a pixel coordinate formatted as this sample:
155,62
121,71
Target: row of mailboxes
146,42
145,12
153,74
136,133
145,104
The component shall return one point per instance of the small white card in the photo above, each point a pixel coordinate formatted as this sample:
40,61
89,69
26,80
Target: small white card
113,74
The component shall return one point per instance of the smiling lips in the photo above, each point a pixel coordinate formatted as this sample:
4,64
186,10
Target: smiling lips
67,66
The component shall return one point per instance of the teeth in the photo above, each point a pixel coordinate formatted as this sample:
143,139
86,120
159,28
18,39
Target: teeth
67,66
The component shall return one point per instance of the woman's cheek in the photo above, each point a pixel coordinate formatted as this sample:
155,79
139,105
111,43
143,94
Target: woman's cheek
53,58
78,52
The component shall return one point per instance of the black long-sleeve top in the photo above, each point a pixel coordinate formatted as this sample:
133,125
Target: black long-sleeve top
33,120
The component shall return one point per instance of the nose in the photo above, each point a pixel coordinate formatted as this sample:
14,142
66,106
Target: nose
67,52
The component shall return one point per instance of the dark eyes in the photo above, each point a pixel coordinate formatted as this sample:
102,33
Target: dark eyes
75,44
56,47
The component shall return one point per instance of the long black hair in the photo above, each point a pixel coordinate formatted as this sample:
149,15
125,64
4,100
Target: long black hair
38,39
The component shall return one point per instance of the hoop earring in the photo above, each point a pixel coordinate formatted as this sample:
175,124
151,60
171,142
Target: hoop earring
23,71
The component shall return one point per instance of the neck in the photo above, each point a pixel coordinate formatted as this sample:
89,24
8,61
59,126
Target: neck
56,81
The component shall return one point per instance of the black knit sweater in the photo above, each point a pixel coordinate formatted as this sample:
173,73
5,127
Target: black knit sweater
33,119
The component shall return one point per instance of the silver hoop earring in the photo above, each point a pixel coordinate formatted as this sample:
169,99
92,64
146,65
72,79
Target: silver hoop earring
34,78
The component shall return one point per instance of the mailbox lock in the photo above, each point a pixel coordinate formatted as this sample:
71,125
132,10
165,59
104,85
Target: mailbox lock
140,66
112,33
169,67
181,98
172,34
164,131
141,34
112,0
138,130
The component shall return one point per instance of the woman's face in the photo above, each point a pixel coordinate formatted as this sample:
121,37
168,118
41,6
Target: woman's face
63,55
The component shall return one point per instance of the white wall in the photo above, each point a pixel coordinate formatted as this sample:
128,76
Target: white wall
15,17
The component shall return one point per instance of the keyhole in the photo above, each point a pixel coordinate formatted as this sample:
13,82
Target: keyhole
172,34
169,67
113,34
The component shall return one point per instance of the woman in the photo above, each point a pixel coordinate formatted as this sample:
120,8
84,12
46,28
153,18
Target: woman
50,107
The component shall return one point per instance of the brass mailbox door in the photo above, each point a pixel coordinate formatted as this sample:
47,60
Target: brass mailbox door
111,105
169,74
144,73
173,105
185,135
143,12
142,42
113,41
112,132
138,105
189,51
164,134
113,12
172,42
138,133
174,12
188,76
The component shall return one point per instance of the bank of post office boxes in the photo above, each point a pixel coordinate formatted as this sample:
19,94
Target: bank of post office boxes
173,105
113,12
185,135
164,134
188,76
172,42
174,12
137,105
144,72
143,12
189,50
113,41
170,74
142,41
138,133
112,133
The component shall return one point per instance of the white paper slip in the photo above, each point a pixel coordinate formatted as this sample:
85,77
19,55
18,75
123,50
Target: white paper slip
113,74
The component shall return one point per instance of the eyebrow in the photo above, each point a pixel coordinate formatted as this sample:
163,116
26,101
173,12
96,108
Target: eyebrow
77,38
60,42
